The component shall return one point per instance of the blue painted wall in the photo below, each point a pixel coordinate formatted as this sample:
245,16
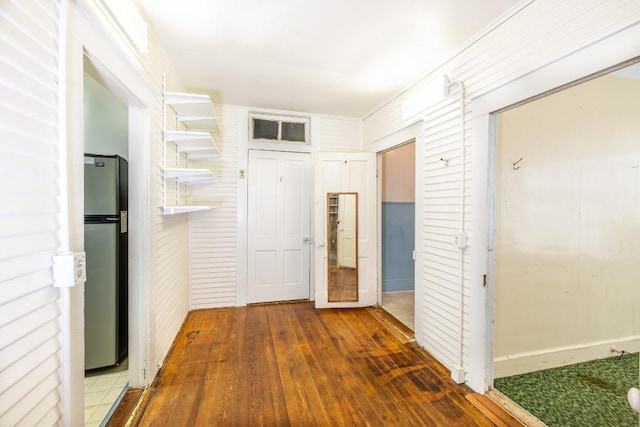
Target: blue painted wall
398,225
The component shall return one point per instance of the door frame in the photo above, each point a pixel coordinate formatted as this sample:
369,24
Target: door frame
415,132
92,48
601,57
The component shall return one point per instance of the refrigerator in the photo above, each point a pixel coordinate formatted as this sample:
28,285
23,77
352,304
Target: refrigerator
105,242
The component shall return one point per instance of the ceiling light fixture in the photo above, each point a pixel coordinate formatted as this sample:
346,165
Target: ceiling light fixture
417,102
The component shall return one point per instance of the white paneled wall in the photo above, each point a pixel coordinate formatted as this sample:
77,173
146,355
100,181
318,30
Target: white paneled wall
171,261
29,304
214,233
171,287
340,134
536,34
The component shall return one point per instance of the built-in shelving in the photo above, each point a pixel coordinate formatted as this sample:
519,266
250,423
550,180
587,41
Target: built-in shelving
195,113
178,209
196,145
190,175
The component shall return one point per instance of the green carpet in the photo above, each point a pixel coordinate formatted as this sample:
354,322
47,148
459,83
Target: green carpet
592,394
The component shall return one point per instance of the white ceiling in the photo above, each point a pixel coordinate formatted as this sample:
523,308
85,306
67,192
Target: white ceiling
338,57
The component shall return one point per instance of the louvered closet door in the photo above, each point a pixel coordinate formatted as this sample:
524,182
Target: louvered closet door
29,307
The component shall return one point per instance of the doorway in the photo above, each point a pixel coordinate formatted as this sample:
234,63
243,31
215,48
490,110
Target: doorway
397,180
106,148
279,226
566,289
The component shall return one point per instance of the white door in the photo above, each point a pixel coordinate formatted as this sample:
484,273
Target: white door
279,214
346,231
347,173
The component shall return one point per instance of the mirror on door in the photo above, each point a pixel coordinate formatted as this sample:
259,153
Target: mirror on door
342,247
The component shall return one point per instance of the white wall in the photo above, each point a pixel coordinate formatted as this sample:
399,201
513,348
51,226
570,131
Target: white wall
106,121
566,222
31,325
213,233
534,36
339,134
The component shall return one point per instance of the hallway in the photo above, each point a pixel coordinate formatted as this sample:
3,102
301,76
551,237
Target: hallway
289,364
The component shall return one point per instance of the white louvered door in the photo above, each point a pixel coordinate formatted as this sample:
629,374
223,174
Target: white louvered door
29,304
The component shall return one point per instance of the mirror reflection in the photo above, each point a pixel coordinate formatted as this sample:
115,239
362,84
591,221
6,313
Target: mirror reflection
342,238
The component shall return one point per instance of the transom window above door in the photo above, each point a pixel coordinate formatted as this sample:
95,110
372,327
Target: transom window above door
285,129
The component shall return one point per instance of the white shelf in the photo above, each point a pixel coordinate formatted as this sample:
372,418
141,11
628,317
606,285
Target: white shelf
190,175
195,111
178,209
197,145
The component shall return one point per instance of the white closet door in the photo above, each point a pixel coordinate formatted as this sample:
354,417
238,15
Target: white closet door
279,226
347,173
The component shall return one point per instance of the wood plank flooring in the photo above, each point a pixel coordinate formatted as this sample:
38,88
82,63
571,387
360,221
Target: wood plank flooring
292,365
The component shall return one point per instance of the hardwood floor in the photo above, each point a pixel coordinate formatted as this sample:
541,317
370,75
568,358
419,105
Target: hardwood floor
292,365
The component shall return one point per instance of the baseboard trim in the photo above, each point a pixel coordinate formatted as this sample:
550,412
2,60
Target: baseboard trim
553,358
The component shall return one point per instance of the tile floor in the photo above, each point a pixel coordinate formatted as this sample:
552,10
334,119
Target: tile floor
100,393
401,306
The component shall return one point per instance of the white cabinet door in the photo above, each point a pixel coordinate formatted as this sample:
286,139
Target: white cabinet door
347,173
279,214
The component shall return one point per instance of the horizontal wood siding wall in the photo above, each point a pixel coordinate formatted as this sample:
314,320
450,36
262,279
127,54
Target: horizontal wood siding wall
213,233
30,369
340,134
540,32
171,286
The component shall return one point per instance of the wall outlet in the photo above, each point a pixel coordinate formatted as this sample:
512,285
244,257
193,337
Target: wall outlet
69,269
457,374
460,239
